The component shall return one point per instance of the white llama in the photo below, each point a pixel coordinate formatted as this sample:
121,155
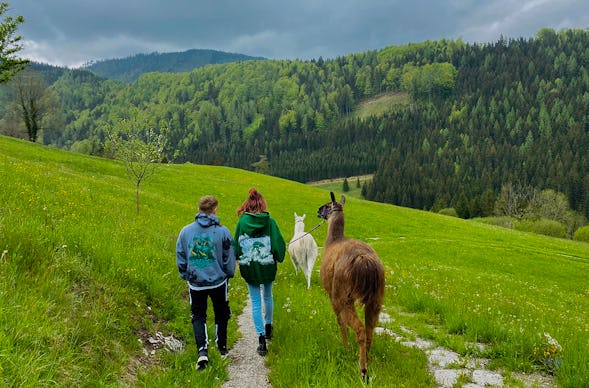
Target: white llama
302,249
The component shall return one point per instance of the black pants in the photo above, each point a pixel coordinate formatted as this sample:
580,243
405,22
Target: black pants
198,307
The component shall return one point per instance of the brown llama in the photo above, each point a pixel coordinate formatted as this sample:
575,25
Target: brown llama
351,271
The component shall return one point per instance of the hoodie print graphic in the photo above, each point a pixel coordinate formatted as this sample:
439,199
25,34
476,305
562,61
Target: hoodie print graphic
202,251
255,249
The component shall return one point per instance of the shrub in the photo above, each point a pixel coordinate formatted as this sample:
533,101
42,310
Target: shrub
542,226
449,211
582,234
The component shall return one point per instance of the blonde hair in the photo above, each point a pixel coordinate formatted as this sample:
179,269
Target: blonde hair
207,204
255,203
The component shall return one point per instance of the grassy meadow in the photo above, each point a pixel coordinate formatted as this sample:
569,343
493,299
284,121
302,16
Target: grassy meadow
381,104
85,281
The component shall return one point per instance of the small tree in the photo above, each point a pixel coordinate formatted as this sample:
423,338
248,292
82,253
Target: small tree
9,46
345,186
262,166
141,150
514,200
34,102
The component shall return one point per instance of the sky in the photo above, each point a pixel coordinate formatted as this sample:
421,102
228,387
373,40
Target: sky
74,32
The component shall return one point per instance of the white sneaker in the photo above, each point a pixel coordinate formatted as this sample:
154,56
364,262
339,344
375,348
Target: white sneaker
202,362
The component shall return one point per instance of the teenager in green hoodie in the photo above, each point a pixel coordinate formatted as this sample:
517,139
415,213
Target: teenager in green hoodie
259,246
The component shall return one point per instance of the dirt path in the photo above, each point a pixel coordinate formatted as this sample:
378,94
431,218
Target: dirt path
247,368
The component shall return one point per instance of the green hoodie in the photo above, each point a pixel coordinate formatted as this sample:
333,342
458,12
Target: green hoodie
259,245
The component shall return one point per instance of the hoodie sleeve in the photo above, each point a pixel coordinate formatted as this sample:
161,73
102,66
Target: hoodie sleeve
236,234
181,259
228,254
277,241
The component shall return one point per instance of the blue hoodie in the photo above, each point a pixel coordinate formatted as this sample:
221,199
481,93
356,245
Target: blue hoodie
204,253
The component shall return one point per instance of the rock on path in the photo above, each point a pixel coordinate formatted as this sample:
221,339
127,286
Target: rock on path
448,367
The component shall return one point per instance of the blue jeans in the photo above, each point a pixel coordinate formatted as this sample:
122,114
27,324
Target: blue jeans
257,292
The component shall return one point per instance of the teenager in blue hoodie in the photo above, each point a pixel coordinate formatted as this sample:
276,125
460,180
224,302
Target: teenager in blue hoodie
206,260
259,245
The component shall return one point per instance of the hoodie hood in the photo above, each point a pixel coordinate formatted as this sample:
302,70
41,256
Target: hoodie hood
206,220
255,224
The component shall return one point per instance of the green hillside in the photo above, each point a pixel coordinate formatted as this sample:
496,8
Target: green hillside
85,282
439,124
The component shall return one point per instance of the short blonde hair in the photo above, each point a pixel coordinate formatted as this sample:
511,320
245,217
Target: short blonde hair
207,204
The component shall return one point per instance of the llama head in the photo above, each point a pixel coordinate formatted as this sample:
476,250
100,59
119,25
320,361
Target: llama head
299,218
330,207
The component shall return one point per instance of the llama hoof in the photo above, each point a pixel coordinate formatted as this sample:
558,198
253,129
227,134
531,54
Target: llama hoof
365,378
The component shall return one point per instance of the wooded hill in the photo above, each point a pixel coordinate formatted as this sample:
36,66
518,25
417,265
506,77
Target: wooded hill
477,117
130,68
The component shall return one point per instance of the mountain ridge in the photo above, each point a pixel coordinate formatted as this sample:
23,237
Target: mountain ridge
129,69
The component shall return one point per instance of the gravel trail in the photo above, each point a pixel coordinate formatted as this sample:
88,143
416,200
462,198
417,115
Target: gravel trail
247,368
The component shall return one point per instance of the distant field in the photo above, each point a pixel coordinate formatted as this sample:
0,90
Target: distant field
381,104
336,185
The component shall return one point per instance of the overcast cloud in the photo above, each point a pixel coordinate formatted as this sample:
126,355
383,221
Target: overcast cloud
73,32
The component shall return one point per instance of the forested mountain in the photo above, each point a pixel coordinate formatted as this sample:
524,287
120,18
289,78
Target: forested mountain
478,117
130,68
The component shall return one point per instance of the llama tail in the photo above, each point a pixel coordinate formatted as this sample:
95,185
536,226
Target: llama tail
368,280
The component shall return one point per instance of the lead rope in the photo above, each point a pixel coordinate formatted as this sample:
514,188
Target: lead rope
309,232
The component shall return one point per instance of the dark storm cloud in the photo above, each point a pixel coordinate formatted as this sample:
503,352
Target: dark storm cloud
71,32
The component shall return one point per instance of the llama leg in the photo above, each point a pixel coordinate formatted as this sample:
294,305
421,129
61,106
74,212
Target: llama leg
349,315
371,312
309,271
294,263
305,270
342,323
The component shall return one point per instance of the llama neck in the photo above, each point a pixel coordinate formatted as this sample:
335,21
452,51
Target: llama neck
299,227
335,230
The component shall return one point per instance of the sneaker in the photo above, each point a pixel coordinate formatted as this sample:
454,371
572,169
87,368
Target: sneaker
223,351
269,330
202,362
262,349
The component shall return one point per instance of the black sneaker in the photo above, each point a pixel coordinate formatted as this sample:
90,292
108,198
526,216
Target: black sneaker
223,351
269,330
262,349
202,362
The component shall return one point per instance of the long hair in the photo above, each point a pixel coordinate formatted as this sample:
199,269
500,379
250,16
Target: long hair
255,203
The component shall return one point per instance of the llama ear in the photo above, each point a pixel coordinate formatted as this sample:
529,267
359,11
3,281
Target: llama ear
295,214
343,200
304,215
332,196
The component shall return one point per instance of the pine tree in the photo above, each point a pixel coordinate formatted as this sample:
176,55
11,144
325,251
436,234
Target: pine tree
346,186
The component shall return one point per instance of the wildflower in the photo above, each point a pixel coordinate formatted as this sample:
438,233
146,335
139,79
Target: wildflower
546,353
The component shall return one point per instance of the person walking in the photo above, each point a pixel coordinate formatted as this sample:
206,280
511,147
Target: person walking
206,260
259,246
